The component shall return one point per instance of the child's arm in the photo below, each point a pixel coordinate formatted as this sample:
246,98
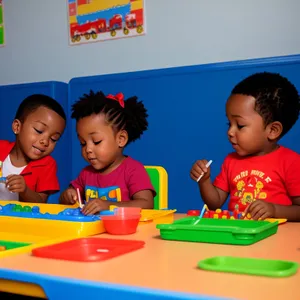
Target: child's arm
212,196
68,196
292,212
17,184
30,196
142,199
140,190
262,210
38,191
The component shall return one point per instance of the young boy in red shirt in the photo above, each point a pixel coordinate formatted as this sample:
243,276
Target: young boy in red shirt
28,170
261,177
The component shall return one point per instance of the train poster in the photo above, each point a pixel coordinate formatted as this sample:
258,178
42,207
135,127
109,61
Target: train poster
99,20
1,24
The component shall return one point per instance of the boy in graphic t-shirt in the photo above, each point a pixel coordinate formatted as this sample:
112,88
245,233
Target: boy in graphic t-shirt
261,177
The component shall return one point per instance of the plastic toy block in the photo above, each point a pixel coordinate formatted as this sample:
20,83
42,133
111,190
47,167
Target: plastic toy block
193,212
223,214
235,215
68,214
7,245
218,214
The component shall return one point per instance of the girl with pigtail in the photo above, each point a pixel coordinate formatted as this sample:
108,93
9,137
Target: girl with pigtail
105,125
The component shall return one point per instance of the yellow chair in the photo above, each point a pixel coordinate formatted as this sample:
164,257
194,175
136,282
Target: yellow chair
159,179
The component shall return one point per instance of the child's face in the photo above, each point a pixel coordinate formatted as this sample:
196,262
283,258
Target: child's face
247,132
101,145
38,134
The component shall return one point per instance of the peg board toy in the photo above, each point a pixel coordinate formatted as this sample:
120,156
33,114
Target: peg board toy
217,231
228,215
42,224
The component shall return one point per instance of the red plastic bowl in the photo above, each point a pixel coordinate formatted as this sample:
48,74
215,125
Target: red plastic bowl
120,225
127,211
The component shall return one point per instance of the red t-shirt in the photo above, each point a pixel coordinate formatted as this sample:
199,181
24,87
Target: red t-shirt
127,179
273,177
40,175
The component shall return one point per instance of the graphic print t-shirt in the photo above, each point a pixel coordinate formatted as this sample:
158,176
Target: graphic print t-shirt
121,184
273,177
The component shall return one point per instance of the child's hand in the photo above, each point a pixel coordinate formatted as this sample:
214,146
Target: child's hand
69,196
200,168
260,210
94,206
16,183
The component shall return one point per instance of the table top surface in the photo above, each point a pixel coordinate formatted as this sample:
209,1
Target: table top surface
172,265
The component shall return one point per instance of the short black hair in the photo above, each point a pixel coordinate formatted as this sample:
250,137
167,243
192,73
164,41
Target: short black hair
132,117
277,99
33,102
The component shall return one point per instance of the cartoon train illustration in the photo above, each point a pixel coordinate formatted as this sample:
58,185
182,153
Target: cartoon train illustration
89,24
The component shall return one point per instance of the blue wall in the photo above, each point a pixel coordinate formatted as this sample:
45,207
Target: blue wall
187,120
186,116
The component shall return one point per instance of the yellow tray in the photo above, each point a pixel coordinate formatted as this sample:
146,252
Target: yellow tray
41,232
272,220
157,216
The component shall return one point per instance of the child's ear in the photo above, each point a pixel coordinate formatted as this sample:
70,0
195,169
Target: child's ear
274,130
16,126
122,138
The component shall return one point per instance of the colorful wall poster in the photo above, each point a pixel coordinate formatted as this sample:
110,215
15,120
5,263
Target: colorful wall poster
99,20
1,24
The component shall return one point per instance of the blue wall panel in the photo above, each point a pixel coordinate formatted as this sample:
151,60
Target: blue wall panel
186,116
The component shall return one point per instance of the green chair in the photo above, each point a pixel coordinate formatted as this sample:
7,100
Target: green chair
159,179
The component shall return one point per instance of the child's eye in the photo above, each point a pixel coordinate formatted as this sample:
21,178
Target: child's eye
38,131
53,140
97,143
240,126
82,144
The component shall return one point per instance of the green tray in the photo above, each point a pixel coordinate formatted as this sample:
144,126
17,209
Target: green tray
217,231
12,245
249,266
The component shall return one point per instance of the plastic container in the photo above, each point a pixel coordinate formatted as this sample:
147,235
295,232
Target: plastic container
133,211
88,249
249,266
121,224
218,231
7,245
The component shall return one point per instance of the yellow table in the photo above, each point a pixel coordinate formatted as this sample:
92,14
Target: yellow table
171,267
